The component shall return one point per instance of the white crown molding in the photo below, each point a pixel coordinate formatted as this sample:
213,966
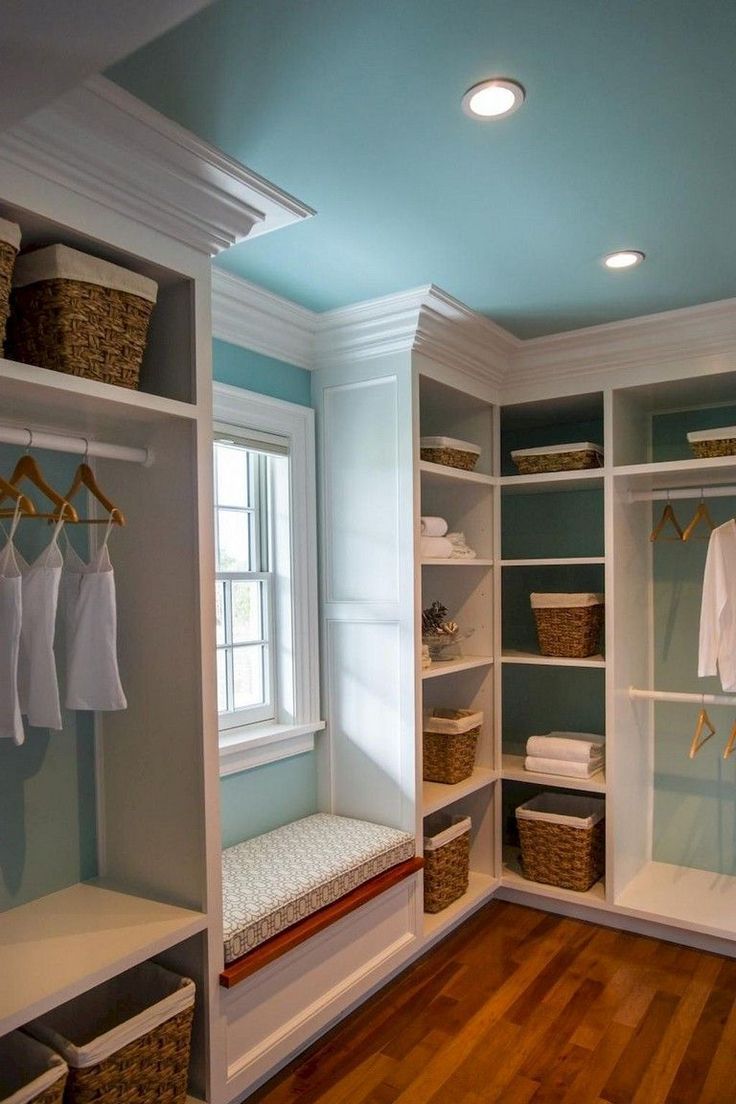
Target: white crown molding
248,315
104,144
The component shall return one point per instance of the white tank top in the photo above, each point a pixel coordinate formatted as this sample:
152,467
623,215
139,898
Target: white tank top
38,687
11,605
90,618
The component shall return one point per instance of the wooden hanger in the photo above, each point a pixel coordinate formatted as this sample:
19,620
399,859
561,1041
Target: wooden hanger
701,514
668,517
7,490
731,745
27,468
698,739
85,477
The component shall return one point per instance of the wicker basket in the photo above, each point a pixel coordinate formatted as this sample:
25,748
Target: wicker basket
30,1073
450,452
568,625
126,1042
563,840
713,442
79,315
446,860
553,458
450,741
9,245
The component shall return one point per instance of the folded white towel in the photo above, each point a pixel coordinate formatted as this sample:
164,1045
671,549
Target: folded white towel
435,548
559,766
575,747
433,527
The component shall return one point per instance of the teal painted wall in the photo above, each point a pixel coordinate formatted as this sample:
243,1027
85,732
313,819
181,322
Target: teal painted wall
243,368
264,798
48,837
694,800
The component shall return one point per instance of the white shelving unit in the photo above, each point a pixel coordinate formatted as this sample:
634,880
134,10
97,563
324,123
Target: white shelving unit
561,561
511,655
438,795
439,473
454,666
477,562
513,769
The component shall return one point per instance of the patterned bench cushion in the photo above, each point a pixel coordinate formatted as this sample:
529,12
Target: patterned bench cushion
275,880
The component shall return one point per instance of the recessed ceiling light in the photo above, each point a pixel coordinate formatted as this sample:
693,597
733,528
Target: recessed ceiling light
624,258
492,99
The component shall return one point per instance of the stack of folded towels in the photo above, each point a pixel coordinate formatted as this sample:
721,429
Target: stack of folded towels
572,754
438,544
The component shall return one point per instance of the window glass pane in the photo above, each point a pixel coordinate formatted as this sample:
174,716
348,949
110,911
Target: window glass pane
233,545
220,610
221,682
232,476
248,676
247,611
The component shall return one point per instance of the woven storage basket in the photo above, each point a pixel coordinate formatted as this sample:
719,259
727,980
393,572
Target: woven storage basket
450,741
9,245
446,860
563,840
127,1041
450,452
713,442
30,1073
79,315
570,628
574,457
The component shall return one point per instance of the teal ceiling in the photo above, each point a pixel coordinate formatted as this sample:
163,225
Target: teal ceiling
627,139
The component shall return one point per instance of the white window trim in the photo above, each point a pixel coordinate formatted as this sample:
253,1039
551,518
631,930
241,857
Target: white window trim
255,744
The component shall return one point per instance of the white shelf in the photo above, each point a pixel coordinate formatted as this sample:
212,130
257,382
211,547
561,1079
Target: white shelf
63,944
512,878
678,473
510,655
480,888
448,667
586,479
437,795
563,561
436,562
443,474
513,769
693,899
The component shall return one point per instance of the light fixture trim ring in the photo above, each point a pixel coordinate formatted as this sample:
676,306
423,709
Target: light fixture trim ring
507,84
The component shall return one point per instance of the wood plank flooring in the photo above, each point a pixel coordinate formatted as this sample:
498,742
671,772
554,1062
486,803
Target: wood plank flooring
521,1007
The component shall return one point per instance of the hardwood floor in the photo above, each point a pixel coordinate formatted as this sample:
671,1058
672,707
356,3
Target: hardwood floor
522,1007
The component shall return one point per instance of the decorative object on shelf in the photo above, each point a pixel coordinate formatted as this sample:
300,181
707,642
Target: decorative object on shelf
446,860
568,625
450,452
9,246
438,633
426,657
129,1037
553,458
707,443
568,754
30,1073
450,739
80,315
563,840
461,550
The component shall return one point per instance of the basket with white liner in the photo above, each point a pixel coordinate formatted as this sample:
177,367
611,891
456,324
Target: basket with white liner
449,451
446,860
30,1073
563,840
450,740
80,315
128,1039
9,246
568,625
707,443
553,458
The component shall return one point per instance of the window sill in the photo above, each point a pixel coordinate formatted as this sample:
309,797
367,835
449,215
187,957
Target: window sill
241,749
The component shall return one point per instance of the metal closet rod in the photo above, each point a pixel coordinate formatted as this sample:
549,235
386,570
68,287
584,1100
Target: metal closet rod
722,491
58,442
685,699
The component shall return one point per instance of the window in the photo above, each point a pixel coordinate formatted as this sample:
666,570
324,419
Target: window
265,578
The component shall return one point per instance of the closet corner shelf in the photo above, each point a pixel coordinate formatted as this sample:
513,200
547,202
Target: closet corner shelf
477,562
481,888
58,946
513,878
440,472
463,663
513,769
677,473
561,561
437,795
511,655
586,479
697,900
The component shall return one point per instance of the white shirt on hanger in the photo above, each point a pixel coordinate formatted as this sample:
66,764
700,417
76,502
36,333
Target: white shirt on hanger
718,609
